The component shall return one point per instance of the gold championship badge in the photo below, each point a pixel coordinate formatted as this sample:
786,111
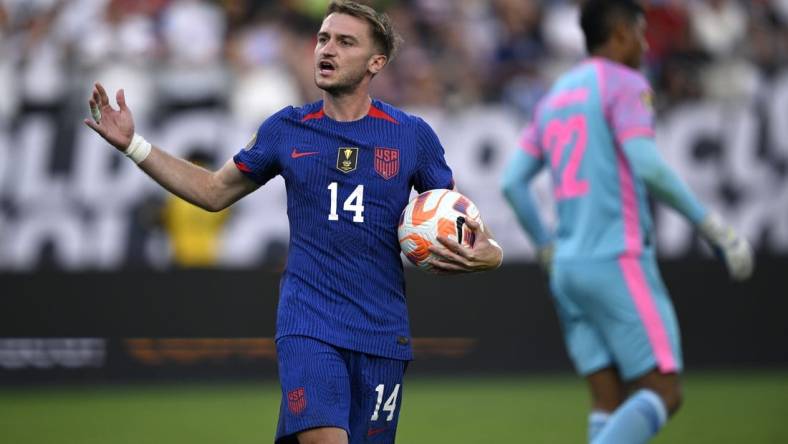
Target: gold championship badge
647,99
347,159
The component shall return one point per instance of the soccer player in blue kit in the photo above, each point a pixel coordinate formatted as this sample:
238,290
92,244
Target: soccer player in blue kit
594,130
349,163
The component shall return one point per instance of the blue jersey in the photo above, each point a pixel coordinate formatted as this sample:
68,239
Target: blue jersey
347,183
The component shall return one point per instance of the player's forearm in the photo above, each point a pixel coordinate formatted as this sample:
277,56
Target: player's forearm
662,181
184,179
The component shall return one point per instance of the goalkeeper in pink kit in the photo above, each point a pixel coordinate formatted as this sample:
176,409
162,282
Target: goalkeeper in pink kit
594,130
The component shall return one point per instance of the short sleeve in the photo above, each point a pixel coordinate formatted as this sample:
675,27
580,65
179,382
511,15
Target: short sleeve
432,172
259,160
631,111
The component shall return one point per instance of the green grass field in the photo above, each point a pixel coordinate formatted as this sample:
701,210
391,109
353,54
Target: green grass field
747,407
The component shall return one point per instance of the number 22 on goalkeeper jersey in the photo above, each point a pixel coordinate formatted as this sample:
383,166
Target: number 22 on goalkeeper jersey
578,131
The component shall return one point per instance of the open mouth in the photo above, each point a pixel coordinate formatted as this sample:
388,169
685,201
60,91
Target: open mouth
326,67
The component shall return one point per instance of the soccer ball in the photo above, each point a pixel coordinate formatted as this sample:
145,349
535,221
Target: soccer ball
431,214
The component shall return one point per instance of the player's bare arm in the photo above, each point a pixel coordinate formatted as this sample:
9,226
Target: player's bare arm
212,191
456,258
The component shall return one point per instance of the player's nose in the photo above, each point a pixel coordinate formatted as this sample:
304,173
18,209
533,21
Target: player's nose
329,49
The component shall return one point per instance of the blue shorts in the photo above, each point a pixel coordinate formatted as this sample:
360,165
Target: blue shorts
327,386
616,313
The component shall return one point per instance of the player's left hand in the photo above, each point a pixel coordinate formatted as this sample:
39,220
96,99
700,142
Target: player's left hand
454,257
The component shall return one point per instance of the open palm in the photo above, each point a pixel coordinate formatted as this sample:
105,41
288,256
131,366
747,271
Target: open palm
115,126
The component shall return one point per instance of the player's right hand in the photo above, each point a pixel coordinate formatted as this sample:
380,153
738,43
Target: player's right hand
730,246
115,126
453,257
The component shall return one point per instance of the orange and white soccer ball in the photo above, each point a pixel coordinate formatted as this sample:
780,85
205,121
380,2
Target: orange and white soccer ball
430,214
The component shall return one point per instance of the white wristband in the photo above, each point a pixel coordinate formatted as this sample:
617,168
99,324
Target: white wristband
498,246
138,149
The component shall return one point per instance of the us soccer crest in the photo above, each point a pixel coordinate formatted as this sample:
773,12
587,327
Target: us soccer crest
387,162
347,159
296,401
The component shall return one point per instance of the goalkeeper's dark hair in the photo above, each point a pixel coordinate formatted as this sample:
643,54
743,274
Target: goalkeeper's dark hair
383,32
598,17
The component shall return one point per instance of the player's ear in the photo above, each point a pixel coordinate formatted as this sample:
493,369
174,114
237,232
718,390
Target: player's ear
376,63
621,32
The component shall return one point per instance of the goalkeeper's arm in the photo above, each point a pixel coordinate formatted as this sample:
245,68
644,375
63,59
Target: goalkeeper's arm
515,188
666,186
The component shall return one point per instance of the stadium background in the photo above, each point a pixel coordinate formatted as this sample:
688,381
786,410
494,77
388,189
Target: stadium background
126,316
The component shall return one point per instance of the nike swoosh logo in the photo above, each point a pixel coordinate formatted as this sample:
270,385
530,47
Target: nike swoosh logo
295,154
373,432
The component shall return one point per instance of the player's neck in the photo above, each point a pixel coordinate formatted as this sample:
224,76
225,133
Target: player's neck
611,54
605,53
346,107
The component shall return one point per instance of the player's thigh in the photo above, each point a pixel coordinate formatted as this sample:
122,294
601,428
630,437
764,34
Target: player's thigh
584,342
315,387
628,303
377,393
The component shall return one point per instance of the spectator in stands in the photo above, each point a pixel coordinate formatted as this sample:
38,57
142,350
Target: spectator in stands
720,29
194,234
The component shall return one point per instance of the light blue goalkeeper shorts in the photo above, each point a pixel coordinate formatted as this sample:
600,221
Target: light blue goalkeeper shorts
616,313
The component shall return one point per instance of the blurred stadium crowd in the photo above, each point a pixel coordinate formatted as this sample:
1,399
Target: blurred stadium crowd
200,76
252,55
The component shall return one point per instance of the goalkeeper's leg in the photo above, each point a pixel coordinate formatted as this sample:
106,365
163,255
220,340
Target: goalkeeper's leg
645,412
644,338
607,394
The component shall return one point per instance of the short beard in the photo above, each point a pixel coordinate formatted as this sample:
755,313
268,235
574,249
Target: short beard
343,87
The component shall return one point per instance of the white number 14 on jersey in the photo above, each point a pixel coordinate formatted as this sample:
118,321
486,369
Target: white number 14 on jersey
354,203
